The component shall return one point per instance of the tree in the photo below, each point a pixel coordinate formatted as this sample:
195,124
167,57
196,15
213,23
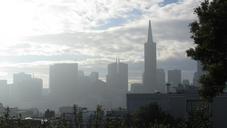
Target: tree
151,115
118,119
7,118
199,116
99,117
78,116
209,33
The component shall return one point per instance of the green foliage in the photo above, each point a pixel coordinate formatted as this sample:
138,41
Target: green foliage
114,123
99,117
121,120
200,117
151,116
8,122
78,116
57,123
209,33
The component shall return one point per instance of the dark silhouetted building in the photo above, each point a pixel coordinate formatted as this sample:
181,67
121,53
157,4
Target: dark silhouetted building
180,105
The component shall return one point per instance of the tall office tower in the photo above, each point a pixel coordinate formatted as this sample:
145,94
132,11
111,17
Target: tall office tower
117,80
62,83
198,74
117,77
149,76
174,77
161,81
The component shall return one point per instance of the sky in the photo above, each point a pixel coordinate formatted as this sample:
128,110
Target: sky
92,33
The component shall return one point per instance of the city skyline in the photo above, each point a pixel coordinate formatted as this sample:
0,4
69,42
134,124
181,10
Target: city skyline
34,53
148,77
68,84
113,63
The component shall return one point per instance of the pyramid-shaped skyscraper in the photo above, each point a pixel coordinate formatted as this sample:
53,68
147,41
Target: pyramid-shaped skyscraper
150,63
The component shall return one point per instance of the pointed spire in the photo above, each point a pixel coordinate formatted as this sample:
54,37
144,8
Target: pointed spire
150,36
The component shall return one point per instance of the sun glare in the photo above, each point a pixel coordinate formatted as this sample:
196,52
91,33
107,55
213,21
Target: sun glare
15,21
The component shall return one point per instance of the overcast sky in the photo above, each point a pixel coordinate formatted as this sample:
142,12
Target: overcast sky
37,33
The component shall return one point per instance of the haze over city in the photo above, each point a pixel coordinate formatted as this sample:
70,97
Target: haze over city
37,34
113,64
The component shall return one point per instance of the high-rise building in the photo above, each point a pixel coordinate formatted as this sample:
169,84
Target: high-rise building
161,81
62,76
174,77
149,76
62,82
118,76
117,80
198,74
